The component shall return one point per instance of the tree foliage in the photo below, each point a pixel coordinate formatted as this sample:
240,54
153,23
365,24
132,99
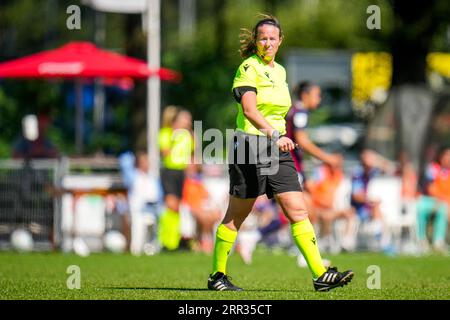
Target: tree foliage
207,59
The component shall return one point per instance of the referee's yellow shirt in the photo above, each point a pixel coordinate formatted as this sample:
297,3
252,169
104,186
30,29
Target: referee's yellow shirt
272,93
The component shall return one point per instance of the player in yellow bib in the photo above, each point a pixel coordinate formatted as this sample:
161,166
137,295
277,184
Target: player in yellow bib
176,144
263,98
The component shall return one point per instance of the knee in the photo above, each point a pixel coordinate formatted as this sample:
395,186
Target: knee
297,215
173,203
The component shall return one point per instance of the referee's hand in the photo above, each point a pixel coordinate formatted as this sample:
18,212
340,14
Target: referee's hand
285,144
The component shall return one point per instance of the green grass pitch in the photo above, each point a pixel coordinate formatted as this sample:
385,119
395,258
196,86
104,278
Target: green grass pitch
183,275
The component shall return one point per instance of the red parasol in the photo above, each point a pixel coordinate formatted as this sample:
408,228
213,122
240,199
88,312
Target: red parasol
81,60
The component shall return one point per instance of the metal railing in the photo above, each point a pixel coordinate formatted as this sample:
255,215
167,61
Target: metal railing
31,193
27,200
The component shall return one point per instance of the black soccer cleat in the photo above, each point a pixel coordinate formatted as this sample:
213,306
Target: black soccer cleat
221,282
332,278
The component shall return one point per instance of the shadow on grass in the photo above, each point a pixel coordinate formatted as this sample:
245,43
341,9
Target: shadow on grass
192,289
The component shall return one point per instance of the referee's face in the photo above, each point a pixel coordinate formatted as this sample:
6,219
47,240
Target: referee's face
267,41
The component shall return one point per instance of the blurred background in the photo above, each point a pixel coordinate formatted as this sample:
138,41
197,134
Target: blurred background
385,88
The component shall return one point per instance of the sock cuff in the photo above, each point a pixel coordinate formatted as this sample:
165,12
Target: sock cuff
302,227
226,234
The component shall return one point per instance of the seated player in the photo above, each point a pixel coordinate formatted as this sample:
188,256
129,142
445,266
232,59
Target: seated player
196,198
435,200
323,188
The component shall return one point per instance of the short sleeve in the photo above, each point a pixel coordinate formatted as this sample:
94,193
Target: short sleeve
300,121
245,76
357,186
358,182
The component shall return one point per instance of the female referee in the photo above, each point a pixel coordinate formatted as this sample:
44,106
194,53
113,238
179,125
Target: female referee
263,98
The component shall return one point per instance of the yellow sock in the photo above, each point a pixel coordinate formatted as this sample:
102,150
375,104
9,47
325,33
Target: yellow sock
224,242
305,239
169,233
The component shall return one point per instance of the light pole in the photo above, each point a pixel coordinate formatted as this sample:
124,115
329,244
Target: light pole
153,83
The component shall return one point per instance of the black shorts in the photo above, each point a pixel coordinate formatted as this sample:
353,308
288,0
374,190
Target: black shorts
255,170
172,181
